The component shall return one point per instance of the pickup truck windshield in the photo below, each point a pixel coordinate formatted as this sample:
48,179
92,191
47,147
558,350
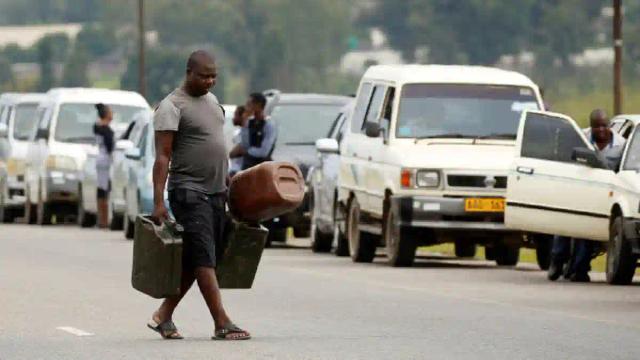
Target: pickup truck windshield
75,121
24,121
462,111
303,124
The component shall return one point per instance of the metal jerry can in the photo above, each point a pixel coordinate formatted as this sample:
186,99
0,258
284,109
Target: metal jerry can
157,258
240,255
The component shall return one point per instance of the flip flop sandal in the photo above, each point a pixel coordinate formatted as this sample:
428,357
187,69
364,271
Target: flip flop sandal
230,329
167,329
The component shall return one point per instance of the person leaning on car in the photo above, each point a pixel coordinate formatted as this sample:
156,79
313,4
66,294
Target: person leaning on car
611,145
258,137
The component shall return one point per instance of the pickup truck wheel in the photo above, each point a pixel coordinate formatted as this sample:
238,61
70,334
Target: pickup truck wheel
6,215
543,250
401,250
301,231
506,255
465,249
341,241
278,235
621,262
489,253
117,221
29,211
320,242
362,246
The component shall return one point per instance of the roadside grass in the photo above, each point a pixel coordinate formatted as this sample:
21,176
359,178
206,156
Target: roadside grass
526,255
579,105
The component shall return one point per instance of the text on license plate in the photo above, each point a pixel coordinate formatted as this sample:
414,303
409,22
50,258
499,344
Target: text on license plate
484,205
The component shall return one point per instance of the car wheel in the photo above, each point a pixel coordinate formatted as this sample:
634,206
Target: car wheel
339,237
465,249
6,215
85,219
506,255
129,227
362,246
43,211
320,242
277,235
543,250
401,249
302,231
117,221
621,262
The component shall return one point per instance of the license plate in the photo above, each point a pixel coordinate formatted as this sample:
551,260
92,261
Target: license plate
483,205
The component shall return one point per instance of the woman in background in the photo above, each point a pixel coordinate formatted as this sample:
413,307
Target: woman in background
104,140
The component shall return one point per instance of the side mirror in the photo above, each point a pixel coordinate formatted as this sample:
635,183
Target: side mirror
133,153
589,157
42,134
4,130
124,145
372,129
329,146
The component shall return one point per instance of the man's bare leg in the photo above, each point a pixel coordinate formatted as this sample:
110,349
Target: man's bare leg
208,284
168,306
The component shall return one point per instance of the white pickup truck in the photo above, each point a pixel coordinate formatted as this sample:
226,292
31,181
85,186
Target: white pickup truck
424,160
559,185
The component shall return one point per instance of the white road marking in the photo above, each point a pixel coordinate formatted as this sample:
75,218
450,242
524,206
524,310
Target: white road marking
74,331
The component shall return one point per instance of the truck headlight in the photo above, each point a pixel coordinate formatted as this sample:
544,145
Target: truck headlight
428,178
61,162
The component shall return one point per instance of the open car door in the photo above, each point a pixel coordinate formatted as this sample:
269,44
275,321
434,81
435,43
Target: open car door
557,183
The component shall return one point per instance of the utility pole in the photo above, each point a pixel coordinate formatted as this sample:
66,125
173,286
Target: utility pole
142,83
617,64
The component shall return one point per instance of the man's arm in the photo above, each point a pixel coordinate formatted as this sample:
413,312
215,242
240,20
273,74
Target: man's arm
267,142
164,150
237,151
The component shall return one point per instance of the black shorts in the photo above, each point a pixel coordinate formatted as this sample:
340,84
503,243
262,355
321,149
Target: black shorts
203,218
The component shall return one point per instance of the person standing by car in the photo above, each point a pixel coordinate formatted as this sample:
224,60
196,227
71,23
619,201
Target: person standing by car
258,138
239,121
189,124
105,141
610,145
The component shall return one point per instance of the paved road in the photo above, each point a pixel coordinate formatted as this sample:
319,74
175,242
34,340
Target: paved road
303,306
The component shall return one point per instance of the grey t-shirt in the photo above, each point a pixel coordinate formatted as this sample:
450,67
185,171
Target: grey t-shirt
199,161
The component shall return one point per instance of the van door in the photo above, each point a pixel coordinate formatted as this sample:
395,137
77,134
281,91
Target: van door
550,193
38,152
378,168
352,151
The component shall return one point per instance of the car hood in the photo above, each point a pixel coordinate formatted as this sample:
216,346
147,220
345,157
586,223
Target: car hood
455,156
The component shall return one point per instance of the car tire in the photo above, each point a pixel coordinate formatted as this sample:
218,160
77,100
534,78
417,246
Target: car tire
128,228
320,242
506,255
43,211
276,235
621,262
302,231
401,250
543,250
117,221
6,215
85,219
465,249
362,246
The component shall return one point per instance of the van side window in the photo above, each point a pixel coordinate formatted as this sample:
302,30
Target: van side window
374,111
385,121
549,138
357,119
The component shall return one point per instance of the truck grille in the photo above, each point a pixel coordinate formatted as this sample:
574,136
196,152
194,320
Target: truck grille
477,181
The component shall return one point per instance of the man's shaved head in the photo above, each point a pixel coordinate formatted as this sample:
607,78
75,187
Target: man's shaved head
598,116
201,73
199,58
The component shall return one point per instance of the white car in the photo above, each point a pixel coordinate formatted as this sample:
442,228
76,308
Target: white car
63,138
17,121
425,159
559,185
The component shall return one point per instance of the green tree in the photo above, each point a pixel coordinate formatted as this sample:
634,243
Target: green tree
44,50
6,75
76,67
96,39
165,70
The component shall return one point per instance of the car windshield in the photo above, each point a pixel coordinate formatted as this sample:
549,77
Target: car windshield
24,121
633,152
75,121
303,124
462,111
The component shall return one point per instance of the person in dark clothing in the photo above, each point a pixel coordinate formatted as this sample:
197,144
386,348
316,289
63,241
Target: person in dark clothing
105,142
258,138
